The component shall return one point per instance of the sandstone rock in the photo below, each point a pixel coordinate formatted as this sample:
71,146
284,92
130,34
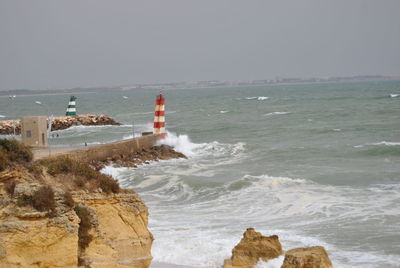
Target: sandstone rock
116,231
252,248
30,238
38,243
120,235
312,257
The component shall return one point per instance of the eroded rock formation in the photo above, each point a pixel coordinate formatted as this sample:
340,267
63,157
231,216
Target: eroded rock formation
252,248
61,213
32,238
120,237
61,122
311,257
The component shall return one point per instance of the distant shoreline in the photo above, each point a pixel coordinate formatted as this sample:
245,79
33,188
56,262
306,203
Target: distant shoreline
197,85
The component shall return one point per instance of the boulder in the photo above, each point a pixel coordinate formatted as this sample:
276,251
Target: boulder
252,248
311,257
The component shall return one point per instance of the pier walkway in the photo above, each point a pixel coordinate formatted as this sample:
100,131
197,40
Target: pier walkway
98,152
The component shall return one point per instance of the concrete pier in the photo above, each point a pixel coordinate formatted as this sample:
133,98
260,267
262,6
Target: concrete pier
99,152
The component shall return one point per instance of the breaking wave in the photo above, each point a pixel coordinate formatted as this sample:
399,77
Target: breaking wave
205,234
276,113
197,221
257,98
387,143
183,144
382,148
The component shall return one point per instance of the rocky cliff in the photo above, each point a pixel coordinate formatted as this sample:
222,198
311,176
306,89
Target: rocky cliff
61,122
62,213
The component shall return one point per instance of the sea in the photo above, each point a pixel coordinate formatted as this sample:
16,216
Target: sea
315,164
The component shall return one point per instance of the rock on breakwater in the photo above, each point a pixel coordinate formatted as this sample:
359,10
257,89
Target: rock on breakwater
142,156
61,122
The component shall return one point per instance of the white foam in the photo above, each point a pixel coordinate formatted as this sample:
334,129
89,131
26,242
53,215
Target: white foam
180,143
223,112
274,263
394,95
386,143
205,235
183,144
2,115
257,98
112,171
276,113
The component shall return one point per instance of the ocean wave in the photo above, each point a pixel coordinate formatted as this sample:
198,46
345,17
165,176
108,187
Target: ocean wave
113,171
382,148
183,144
223,112
386,143
276,113
2,116
257,98
83,127
263,200
394,95
263,181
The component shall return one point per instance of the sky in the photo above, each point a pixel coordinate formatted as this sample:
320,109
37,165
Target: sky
55,44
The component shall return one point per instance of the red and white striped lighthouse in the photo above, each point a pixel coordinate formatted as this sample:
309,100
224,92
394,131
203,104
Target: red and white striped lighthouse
159,116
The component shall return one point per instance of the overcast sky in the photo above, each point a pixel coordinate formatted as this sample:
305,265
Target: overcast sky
72,43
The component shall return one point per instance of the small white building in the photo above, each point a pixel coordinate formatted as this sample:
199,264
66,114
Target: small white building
34,131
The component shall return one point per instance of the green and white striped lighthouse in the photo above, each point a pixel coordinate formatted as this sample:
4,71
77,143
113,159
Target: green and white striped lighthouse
71,110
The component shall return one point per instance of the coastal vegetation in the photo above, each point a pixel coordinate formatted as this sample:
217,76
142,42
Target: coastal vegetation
13,151
59,212
81,173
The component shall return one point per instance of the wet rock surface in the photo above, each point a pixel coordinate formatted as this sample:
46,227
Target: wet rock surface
311,257
255,247
252,248
144,156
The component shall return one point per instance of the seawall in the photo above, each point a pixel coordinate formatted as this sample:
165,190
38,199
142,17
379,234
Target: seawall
105,151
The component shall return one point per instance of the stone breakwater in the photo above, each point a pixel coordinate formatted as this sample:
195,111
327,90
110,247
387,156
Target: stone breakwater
61,122
143,156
